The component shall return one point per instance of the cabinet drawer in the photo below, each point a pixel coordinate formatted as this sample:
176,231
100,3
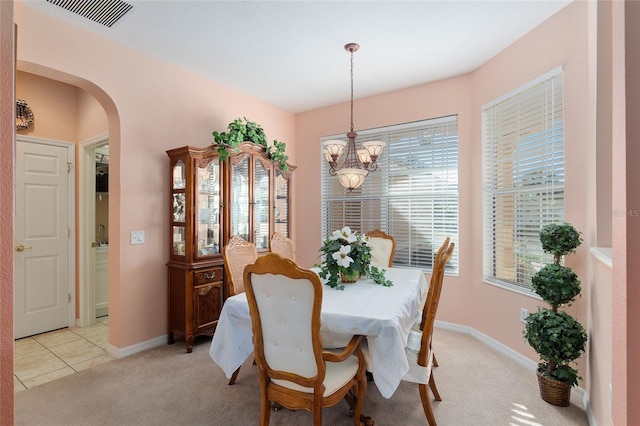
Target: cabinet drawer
209,275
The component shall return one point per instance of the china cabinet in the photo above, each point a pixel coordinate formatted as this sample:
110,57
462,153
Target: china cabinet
210,201
259,195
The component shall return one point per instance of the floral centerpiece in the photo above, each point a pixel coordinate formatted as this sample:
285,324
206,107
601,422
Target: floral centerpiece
346,256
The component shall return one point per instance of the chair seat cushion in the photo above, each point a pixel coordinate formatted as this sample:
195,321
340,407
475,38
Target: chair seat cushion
416,373
337,375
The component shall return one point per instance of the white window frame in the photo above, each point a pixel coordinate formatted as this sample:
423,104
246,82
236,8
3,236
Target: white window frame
523,179
421,209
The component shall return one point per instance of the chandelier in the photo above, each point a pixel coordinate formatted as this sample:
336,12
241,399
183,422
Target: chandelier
357,163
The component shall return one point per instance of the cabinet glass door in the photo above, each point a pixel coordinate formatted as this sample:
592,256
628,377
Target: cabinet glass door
179,208
208,209
240,199
281,207
261,205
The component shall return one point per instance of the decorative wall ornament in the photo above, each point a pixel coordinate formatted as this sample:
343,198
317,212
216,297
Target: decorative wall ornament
24,115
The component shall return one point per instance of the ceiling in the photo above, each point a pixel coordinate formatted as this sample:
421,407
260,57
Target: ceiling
291,53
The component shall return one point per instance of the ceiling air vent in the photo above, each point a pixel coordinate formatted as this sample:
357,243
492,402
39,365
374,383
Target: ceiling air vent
105,12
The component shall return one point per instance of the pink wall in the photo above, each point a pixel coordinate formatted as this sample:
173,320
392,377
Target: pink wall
7,129
54,105
141,100
599,329
560,41
566,40
626,228
92,119
151,106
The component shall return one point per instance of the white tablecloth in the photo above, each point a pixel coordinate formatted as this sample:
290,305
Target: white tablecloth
383,314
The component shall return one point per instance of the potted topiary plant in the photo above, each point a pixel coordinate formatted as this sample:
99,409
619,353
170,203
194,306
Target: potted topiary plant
556,336
242,130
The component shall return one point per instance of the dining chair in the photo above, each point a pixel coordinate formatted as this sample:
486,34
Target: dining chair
434,276
420,371
294,371
383,246
237,254
419,349
279,243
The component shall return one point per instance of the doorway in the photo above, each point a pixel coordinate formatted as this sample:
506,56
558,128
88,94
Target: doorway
94,230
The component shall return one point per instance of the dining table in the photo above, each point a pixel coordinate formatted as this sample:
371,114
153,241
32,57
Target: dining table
384,315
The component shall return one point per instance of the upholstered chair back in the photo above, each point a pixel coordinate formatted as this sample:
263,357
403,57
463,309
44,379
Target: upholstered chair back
286,309
383,247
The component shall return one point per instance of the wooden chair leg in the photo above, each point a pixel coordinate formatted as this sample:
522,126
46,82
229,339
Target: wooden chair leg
234,376
265,411
361,388
434,389
435,361
426,404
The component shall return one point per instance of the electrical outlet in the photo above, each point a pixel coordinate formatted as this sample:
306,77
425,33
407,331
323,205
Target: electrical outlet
523,315
137,237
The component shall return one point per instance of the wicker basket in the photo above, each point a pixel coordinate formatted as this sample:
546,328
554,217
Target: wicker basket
553,391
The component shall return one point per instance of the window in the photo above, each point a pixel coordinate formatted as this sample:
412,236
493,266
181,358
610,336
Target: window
523,179
413,195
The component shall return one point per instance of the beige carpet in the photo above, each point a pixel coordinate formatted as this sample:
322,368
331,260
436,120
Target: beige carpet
167,386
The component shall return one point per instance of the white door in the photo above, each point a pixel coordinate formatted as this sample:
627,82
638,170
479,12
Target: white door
42,293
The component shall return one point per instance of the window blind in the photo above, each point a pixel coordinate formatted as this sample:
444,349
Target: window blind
523,135
413,195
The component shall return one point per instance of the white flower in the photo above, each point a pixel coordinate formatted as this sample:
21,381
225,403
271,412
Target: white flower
344,233
342,257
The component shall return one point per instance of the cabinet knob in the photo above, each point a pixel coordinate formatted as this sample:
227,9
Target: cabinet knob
209,276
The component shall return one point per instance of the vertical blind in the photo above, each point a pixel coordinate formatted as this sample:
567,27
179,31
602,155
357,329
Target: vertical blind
523,135
413,195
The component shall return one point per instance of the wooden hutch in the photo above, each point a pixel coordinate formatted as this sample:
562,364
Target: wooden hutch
211,200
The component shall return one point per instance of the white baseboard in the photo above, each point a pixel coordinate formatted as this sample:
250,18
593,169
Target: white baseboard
138,347
515,356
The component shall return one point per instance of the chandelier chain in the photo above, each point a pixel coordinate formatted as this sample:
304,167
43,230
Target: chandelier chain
351,50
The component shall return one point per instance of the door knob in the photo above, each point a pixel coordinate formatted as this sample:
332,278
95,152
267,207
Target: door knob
22,248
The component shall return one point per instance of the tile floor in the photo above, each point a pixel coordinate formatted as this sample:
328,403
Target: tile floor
49,356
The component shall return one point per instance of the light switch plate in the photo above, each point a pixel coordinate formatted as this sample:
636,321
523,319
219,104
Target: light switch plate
137,237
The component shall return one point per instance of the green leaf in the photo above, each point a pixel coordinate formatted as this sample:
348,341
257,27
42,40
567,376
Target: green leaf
559,340
241,130
560,239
